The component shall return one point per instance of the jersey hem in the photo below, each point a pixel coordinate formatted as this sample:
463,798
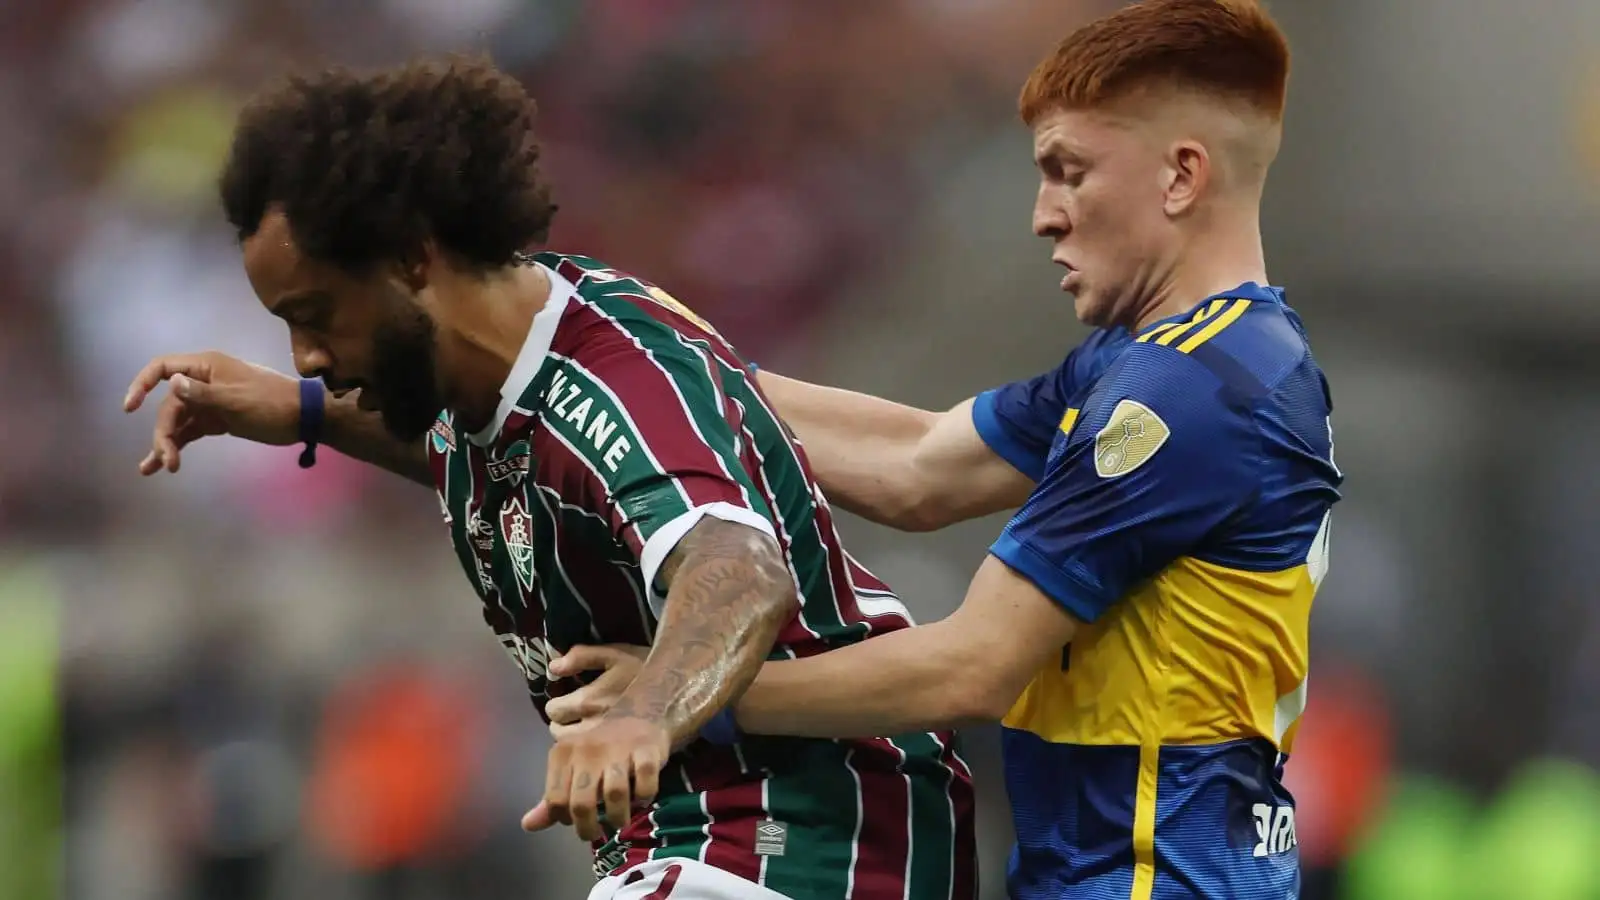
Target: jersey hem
666,538
994,433
1068,592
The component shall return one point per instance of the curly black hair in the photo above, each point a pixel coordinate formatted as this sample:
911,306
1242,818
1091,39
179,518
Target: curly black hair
369,166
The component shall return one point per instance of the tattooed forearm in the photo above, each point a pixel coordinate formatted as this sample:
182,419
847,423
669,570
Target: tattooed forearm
729,593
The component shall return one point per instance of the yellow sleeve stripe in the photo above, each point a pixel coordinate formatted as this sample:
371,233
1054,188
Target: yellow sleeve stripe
1156,332
1216,325
1205,313
1068,420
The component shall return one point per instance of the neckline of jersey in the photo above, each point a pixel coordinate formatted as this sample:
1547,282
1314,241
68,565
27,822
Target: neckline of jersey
1250,290
530,359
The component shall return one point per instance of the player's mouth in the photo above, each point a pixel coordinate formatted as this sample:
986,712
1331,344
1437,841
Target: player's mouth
1069,281
366,399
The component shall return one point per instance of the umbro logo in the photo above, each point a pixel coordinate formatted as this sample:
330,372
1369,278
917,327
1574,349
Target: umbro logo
771,838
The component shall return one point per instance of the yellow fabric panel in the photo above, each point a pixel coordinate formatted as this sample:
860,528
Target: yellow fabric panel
1201,654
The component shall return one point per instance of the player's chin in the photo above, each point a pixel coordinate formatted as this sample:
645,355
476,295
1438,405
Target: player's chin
1090,309
409,421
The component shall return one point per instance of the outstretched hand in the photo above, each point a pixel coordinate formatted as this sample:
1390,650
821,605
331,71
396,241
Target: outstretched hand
213,393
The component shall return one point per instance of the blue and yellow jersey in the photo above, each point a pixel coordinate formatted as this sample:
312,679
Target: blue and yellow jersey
1181,514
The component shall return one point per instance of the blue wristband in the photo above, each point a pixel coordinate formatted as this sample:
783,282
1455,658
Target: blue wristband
721,730
752,368
313,402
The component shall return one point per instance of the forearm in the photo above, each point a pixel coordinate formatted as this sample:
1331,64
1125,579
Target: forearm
907,681
860,447
360,435
729,595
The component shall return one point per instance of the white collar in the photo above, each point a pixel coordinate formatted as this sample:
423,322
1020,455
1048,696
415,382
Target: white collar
531,358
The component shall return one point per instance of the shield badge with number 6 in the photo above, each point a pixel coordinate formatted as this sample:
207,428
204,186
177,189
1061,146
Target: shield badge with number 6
1132,435
516,529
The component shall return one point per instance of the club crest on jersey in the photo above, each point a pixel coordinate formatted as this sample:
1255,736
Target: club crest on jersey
513,465
443,436
516,529
1131,437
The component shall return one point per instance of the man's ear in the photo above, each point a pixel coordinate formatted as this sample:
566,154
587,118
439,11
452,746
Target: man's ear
412,269
1188,174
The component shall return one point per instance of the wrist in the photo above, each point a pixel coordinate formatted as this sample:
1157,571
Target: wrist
313,419
723,729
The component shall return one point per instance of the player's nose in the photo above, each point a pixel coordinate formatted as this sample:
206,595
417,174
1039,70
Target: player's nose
1049,219
311,359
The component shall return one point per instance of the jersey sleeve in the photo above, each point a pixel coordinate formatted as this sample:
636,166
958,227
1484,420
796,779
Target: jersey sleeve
1019,420
658,438
1158,458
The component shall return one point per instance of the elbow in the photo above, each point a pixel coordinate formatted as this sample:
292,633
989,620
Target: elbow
981,703
987,687
776,601
919,501
925,511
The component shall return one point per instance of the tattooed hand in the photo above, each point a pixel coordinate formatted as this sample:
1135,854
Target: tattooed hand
616,763
729,593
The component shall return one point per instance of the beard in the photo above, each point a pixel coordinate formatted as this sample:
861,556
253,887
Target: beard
403,375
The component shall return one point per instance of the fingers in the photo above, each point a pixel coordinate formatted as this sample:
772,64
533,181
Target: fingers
169,420
591,701
567,731
609,772
588,658
616,792
176,427
557,789
160,369
584,805
646,776
539,818
568,709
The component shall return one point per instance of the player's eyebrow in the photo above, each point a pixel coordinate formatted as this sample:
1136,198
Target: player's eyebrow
1059,152
295,300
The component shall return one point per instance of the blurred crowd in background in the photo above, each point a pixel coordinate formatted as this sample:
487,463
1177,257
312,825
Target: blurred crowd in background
260,682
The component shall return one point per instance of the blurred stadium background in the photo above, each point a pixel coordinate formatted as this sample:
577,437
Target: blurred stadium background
255,682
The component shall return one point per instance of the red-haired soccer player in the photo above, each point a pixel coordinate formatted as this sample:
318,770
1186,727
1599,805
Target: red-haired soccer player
1175,473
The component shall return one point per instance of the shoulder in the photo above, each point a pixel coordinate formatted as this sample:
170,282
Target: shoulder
1098,351
1243,346
1198,382
1089,360
1238,384
1154,399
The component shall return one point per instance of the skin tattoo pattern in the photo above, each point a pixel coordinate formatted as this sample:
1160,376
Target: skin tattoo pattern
729,595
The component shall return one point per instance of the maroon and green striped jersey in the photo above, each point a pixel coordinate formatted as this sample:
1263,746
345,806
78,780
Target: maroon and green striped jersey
625,421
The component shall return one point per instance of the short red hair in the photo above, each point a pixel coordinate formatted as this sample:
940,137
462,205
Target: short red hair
1230,48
